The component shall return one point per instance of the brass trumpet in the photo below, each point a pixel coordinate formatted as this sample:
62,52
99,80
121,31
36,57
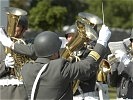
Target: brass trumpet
105,68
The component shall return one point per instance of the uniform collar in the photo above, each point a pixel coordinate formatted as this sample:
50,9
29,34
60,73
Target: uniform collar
42,60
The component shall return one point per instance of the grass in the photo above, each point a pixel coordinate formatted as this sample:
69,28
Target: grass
112,93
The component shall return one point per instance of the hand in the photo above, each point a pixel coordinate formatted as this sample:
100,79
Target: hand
9,61
104,35
106,70
110,56
4,39
122,57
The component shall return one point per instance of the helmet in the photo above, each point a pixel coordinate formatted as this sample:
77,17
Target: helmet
23,21
72,29
46,43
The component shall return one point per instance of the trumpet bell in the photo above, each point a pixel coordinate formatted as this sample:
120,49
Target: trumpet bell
104,68
101,77
104,63
91,34
88,30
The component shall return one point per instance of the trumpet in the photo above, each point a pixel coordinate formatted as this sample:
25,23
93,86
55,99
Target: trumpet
105,68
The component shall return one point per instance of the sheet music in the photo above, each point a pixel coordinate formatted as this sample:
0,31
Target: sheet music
113,46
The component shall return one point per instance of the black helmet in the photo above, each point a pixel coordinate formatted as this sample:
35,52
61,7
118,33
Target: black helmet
23,21
46,43
72,29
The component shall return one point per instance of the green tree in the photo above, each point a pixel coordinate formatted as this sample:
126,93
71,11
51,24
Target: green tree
23,4
118,13
54,14
44,16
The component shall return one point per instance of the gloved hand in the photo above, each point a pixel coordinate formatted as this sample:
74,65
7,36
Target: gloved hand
9,61
104,35
110,56
4,39
122,57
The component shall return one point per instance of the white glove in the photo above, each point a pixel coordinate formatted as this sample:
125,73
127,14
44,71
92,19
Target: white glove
9,61
122,57
5,40
106,70
64,42
110,56
104,35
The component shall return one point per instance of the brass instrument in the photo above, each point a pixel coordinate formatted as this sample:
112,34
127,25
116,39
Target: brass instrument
13,16
105,68
84,32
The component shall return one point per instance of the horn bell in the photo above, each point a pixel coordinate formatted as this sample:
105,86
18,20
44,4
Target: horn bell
91,33
15,11
90,17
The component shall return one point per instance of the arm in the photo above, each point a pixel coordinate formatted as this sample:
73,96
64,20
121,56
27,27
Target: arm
19,48
5,61
129,69
122,57
24,49
2,57
112,77
90,64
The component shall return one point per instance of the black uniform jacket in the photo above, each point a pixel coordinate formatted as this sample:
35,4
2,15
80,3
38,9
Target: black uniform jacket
122,78
56,82
87,85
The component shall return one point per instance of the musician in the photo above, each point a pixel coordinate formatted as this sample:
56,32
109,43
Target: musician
90,85
121,75
55,81
88,89
10,87
71,33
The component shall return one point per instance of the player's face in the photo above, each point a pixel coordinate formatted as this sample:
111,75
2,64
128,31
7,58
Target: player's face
70,36
19,32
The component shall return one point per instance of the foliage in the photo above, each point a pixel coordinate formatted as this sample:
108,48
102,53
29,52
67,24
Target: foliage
118,13
19,4
44,16
54,14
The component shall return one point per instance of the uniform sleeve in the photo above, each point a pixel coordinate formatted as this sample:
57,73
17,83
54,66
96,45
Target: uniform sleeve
84,68
113,76
25,49
2,58
129,69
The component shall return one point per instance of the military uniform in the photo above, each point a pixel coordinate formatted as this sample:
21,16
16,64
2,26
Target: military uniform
86,86
56,82
27,50
121,75
10,88
122,78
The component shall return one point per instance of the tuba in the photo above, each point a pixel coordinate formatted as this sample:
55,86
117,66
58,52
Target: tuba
13,16
84,32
